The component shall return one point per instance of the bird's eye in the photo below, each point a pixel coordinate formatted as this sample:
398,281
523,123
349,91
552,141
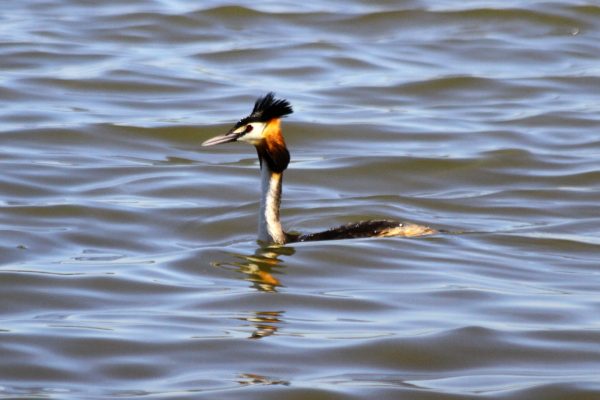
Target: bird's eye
248,128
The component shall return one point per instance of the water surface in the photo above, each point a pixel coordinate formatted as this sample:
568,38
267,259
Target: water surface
129,266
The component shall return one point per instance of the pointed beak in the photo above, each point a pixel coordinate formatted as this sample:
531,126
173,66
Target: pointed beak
226,138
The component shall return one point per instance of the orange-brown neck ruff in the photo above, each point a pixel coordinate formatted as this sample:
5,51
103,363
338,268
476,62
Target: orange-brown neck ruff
272,149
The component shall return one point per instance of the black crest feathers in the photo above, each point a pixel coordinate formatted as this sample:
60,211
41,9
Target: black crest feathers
267,108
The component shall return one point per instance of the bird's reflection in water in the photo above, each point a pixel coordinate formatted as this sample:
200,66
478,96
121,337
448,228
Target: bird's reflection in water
261,267
265,323
256,379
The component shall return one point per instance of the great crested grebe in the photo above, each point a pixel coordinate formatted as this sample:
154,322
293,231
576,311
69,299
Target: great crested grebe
262,128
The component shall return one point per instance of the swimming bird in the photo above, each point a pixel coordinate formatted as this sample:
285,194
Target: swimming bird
262,129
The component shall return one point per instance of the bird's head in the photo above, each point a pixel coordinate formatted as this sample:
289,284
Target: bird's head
262,128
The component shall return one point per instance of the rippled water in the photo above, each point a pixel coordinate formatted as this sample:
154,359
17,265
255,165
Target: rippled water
129,266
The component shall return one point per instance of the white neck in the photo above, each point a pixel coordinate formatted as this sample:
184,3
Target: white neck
269,224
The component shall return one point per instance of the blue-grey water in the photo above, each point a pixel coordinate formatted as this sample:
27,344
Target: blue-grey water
129,266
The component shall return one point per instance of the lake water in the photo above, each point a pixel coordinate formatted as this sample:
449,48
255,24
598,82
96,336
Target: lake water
129,266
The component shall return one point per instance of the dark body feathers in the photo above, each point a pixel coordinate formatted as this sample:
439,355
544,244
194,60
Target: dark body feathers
355,230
